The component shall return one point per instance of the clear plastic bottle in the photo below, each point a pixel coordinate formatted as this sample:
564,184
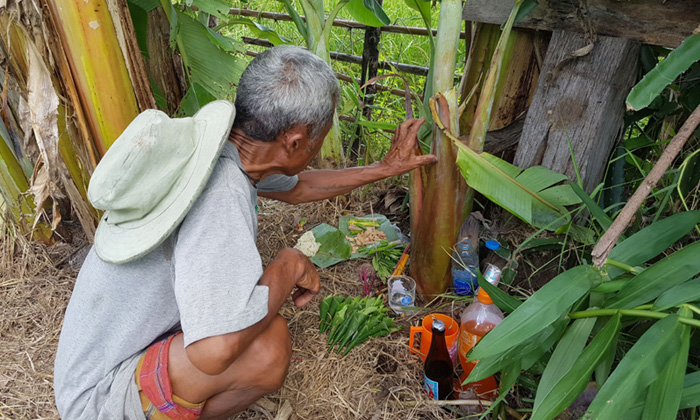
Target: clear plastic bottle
465,260
480,317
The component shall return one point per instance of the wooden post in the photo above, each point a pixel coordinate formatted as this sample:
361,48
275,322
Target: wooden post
578,99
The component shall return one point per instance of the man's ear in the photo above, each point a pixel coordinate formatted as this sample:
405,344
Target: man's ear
294,139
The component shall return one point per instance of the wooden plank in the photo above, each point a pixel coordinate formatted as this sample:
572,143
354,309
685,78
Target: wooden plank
657,22
581,100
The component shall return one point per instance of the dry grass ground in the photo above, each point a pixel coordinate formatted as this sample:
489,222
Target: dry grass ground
380,379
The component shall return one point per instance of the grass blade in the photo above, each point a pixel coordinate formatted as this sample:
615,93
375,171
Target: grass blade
543,308
565,355
668,272
683,293
598,214
638,369
574,381
652,240
664,395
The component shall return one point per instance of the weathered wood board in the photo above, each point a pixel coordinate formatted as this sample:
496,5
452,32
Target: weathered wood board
657,22
581,100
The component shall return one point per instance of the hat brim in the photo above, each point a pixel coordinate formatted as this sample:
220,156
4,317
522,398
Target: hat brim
128,241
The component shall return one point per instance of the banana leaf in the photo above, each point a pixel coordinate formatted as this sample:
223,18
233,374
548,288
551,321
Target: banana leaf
531,194
334,247
664,73
209,66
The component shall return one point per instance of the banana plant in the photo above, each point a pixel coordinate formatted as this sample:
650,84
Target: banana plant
315,28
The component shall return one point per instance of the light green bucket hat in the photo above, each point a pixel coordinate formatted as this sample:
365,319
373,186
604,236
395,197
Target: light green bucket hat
151,176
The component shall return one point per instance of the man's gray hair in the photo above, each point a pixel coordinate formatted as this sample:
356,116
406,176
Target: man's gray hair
283,87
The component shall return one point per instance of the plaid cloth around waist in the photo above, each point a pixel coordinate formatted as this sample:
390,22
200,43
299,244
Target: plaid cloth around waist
154,381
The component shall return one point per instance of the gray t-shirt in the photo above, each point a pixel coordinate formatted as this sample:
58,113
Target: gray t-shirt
202,279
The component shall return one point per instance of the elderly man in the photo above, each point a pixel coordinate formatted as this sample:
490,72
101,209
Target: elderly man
172,314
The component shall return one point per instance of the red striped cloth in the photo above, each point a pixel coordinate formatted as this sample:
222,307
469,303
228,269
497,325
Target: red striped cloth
155,382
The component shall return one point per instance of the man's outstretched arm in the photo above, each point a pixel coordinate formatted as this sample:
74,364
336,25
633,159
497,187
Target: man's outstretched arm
322,184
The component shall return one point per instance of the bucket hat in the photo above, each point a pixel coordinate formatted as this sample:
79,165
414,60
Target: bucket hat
151,176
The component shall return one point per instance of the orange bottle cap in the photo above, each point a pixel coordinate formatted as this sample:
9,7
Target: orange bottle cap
484,297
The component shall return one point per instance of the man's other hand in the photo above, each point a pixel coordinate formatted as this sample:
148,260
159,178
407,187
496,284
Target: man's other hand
403,154
304,276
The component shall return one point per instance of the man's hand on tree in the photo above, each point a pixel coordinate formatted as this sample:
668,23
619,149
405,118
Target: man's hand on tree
403,154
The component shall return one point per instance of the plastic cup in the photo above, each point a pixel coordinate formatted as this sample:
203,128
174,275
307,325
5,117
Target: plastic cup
402,293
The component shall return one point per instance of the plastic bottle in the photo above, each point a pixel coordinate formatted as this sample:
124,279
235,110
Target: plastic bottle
439,371
480,317
465,260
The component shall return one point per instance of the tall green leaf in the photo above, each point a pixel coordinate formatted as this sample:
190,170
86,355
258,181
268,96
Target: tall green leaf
664,396
688,291
544,307
530,194
664,73
561,394
668,272
641,366
598,214
210,66
503,300
564,356
368,12
652,240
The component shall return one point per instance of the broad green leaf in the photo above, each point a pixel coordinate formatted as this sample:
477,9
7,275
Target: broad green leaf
509,187
211,67
637,370
598,214
334,247
146,5
668,272
611,286
664,73
690,397
384,226
195,98
367,12
525,9
664,396
573,382
688,291
158,95
217,8
564,356
260,31
544,307
503,300
602,369
652,240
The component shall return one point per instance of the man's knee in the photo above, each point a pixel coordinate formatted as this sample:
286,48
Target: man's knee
273,351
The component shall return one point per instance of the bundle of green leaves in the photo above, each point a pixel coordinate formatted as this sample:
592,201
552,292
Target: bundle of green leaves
351,321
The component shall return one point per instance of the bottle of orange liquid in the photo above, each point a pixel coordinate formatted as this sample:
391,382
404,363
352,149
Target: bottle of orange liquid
480,317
